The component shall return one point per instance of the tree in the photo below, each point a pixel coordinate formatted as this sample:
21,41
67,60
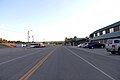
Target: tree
4,40
87,39
66,41
75,40
71,41
0,40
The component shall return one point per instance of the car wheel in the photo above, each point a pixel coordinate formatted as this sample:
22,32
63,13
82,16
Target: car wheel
92,47
113,52
119,51
102,46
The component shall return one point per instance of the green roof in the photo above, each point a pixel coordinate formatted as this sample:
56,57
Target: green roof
109,35
80,39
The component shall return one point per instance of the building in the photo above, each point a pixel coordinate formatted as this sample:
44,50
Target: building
75,41
81,40
108,32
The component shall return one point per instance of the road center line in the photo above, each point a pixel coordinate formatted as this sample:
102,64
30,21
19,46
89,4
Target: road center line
19,58
36,67
91,64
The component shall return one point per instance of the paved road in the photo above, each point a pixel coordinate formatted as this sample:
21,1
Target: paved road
57,63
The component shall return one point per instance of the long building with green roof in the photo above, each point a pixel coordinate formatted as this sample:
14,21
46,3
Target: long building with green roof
108,32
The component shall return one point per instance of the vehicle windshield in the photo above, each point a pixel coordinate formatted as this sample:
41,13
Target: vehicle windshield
116,41
109,41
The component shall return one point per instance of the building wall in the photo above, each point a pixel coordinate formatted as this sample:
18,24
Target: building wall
109,32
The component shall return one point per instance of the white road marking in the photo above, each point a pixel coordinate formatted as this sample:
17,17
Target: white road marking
102,53
91,64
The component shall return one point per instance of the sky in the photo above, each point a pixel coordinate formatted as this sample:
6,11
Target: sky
53,20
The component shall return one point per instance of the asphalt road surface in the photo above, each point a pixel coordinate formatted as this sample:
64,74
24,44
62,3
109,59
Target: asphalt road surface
58,63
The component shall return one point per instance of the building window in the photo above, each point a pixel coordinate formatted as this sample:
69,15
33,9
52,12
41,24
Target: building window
111,30
95,34
103,32
116,28
107,31
98,34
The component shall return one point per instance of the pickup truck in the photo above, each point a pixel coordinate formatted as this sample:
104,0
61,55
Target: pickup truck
113,46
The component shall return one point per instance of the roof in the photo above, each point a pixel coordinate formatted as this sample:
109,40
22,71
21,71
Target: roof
107,27
106,36
80,39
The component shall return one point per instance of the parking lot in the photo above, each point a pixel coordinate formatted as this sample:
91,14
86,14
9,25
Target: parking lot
99,51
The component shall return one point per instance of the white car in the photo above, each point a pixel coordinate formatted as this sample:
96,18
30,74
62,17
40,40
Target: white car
80,45
113,46
85,45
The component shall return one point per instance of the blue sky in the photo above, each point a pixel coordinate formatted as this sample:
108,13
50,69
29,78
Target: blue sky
53,20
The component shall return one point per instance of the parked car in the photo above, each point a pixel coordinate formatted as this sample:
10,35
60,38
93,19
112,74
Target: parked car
80,45
85,45
92,45
113,46
36,45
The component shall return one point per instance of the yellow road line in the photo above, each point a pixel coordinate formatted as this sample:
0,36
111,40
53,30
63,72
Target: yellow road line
36,67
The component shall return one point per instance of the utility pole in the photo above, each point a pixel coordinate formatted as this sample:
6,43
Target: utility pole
33,38
28,33
28,39
28,36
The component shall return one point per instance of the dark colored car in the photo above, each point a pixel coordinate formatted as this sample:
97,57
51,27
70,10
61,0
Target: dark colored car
95,45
